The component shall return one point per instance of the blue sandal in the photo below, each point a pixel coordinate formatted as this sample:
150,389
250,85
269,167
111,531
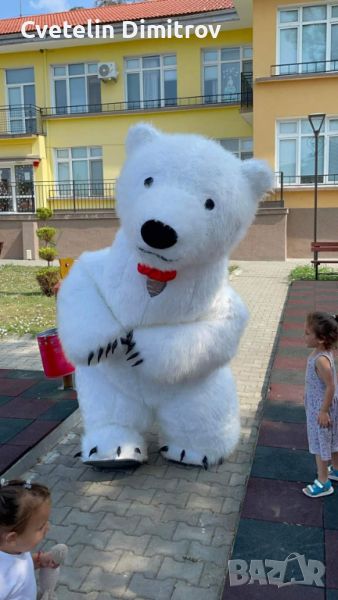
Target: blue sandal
333,473
318,489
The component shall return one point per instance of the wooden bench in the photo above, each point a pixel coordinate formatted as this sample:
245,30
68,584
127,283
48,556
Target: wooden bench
317,247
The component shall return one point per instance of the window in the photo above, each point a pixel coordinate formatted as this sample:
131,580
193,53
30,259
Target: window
21,100
308,39
76,88
79,171
296,151
222,70
240,147
151,81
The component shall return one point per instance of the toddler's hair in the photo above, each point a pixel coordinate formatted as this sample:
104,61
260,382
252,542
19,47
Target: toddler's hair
18,501
325,327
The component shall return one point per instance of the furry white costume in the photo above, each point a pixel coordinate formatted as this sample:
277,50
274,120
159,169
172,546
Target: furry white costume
151,323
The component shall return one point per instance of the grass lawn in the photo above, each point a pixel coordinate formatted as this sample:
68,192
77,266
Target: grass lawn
23,308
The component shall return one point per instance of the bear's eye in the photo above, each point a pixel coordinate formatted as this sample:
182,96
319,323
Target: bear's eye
148,182
209,204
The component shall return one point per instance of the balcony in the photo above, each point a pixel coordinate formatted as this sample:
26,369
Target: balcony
329,179
305,68
20,120
73,196
159,104
60,196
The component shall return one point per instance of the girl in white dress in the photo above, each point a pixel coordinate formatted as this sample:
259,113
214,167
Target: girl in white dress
24,515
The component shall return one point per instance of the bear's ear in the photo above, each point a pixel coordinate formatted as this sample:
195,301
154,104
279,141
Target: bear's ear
140,134
259,175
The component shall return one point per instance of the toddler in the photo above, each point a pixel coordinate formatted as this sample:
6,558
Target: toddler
321,400
24,515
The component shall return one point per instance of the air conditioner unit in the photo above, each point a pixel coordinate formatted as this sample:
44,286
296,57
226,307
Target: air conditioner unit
107,71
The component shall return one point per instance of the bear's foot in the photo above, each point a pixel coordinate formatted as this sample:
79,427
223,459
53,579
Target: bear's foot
113,447
184,456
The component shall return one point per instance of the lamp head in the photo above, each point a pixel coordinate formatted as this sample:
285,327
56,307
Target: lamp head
316,121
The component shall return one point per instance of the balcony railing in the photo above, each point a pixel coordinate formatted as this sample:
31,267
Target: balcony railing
76,196
307,180
143,105
20,119
275,198
304,68
66,196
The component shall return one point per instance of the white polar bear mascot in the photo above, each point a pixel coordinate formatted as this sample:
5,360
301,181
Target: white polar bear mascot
151,322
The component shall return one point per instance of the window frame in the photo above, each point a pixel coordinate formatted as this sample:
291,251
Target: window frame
142,103
70,184
324,178
240,142
20,113
218,62
329,21
67,77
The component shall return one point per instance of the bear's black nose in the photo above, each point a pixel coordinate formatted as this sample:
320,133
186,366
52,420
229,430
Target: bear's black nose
158,235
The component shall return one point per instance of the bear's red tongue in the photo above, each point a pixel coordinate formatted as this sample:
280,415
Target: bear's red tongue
156,274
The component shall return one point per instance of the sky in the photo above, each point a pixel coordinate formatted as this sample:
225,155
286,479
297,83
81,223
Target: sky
35,7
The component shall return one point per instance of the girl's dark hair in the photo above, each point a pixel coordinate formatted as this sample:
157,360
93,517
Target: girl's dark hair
325,327
18,501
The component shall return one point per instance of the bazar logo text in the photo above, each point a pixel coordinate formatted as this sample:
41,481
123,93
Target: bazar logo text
293,570
129,30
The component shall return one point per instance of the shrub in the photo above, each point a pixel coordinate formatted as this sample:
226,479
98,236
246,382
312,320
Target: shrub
307,273
47,278
46,233
44,213
48,253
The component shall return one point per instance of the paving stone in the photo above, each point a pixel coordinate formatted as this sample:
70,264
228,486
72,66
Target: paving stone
103,504
121,523
185,570
87,519
124,542
184,591
155,527
158,545
97,579
152,589
186,532
134,563
73,577
66,594
204,503
207,553
91,557
84,536
83,502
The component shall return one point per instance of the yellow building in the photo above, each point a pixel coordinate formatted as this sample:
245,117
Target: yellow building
295,67
67,103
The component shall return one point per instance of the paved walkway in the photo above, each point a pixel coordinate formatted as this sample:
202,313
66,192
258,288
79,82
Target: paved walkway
165,531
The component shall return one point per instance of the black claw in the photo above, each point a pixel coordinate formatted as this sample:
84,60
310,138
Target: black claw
130,335
77,455
113,348
138,451
99,354
137,363
93,451
205,463
221,461
164,449
118,451
130,347
182,455
108,349
133,355
90,358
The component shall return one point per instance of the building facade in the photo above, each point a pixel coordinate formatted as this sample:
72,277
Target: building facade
66,106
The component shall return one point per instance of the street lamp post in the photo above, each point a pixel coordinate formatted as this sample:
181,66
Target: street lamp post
316,122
